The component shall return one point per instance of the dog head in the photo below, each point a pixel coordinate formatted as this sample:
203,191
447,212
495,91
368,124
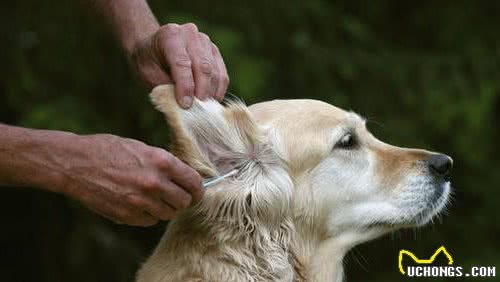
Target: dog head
346,180
311,157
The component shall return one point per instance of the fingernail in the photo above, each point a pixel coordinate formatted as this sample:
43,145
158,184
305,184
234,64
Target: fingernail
187,101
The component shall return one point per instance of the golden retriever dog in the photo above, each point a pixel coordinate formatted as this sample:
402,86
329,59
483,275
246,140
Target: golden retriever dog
312,183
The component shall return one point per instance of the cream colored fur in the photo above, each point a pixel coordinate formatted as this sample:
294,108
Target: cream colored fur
297,205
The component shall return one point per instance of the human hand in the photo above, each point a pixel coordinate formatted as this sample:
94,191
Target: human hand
128,181
182,55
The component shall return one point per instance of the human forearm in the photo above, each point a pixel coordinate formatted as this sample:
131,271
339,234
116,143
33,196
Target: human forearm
31,157
124,180
131,21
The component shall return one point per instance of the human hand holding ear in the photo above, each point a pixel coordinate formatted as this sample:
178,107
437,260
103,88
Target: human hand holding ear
181,55
166,54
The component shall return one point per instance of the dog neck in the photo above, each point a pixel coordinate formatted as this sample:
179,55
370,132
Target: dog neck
323,255
320,248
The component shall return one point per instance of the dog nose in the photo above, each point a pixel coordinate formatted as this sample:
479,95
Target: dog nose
440,164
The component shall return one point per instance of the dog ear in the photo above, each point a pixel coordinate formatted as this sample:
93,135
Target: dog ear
209,137
214,139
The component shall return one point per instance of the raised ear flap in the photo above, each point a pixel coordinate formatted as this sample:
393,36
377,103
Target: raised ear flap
213,140
209,137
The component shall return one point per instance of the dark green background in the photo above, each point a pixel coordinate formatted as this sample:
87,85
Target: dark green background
425,74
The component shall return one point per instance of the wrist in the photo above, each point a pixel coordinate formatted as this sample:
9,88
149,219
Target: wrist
53,152
57,152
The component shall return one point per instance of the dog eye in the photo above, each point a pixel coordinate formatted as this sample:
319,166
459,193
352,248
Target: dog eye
346,142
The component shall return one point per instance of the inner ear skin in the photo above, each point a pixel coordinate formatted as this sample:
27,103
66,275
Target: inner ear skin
220,156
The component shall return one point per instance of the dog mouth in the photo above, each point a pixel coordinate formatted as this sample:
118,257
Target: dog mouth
436,202
439,191
430,206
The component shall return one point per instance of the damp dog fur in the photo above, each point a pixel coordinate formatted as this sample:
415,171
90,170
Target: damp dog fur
312,183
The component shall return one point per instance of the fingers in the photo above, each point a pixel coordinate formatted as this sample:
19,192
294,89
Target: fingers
184,176
204,71
174,196
215,74
159,201
151,207
169,187
129,212
175,52
147,208
142,219
195,64
223,76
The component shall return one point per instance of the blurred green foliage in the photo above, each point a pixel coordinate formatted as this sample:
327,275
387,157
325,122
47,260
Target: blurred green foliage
424,73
